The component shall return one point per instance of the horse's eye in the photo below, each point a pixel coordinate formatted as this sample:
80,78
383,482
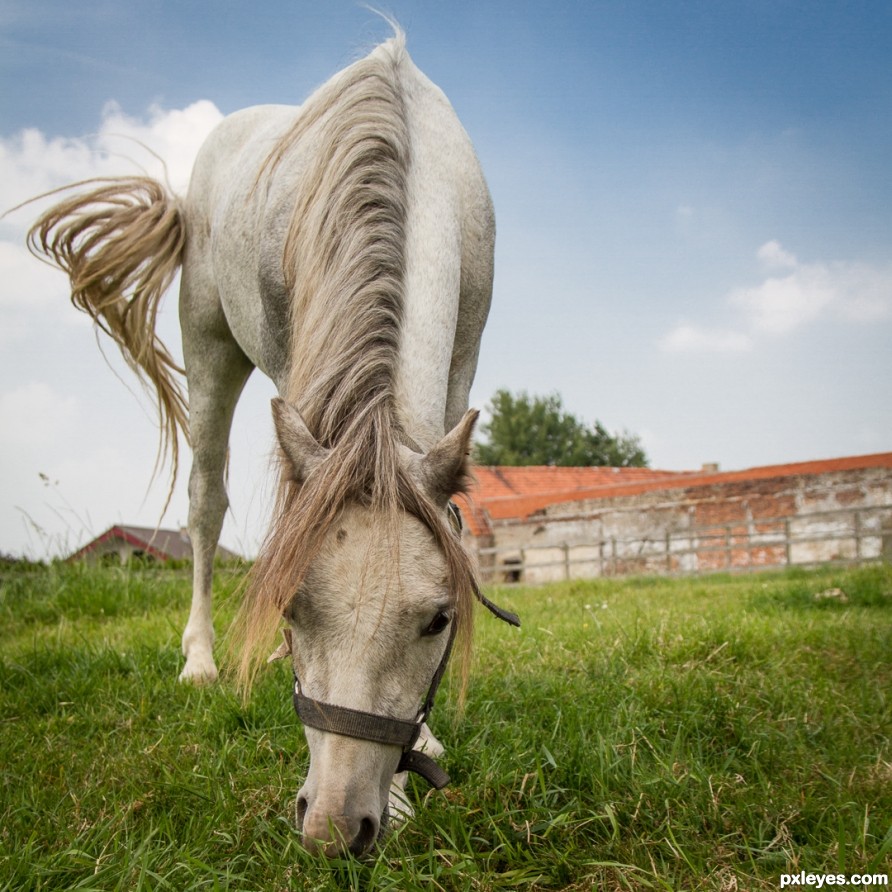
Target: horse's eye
437,624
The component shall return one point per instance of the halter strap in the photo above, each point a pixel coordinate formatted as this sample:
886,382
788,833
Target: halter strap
354,722
380,728
507,616
376,728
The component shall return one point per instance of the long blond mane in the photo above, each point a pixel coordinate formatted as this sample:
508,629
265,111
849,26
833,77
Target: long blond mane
345,267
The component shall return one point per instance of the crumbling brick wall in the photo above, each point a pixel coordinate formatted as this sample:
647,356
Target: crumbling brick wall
717,522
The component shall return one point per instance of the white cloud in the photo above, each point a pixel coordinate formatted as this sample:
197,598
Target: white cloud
686,338
175,136
853,291
779,305
773,256
863,293
33,413
32,162
30,294
35,282
28,291
782,303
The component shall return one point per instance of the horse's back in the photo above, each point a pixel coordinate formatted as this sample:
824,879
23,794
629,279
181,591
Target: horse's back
240,207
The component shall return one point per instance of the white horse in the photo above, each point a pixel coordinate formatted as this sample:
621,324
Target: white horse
344,248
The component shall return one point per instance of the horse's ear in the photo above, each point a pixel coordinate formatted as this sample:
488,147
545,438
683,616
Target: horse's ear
446,469
284,649
304,454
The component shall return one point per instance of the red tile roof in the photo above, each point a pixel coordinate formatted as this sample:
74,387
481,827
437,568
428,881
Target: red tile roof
507,492
504,493
163,545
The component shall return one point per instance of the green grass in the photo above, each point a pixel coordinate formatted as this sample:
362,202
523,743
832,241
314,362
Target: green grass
691,734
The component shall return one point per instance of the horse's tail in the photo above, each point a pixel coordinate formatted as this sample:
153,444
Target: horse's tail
121,244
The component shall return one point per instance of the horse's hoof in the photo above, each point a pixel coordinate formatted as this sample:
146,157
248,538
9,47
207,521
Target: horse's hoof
199,672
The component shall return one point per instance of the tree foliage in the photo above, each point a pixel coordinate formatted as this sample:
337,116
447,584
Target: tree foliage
535,430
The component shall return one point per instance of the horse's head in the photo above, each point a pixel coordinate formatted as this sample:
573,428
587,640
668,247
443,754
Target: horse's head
370,628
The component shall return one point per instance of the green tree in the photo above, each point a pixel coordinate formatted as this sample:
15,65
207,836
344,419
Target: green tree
525,430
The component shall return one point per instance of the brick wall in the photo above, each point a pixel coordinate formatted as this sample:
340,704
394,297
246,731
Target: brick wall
805,514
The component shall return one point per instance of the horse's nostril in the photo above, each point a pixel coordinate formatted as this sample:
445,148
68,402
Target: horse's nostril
301,811
365,839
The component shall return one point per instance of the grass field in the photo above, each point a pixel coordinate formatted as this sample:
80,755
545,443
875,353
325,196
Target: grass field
690,734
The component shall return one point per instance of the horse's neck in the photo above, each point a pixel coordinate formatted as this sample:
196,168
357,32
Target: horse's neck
423,371
433,262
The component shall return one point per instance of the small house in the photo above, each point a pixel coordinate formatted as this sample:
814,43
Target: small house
125,543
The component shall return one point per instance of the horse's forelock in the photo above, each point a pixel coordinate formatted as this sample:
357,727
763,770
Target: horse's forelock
305,515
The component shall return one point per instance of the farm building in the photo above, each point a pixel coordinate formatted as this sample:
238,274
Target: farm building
122,543
542,524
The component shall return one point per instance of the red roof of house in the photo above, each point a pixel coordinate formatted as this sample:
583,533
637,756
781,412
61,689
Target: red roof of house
163,545
504,493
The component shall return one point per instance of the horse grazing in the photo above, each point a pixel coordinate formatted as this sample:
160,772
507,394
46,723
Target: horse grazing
344,248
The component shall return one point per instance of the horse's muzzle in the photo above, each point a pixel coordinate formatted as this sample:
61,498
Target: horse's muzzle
338,834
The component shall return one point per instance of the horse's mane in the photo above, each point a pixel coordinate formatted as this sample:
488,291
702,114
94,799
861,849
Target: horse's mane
344,265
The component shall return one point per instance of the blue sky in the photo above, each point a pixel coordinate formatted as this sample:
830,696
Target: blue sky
693,204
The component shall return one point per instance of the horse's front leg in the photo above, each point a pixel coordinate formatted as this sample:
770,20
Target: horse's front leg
217,370
398,805
207,507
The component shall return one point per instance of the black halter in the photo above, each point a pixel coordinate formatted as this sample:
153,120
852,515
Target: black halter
385,729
